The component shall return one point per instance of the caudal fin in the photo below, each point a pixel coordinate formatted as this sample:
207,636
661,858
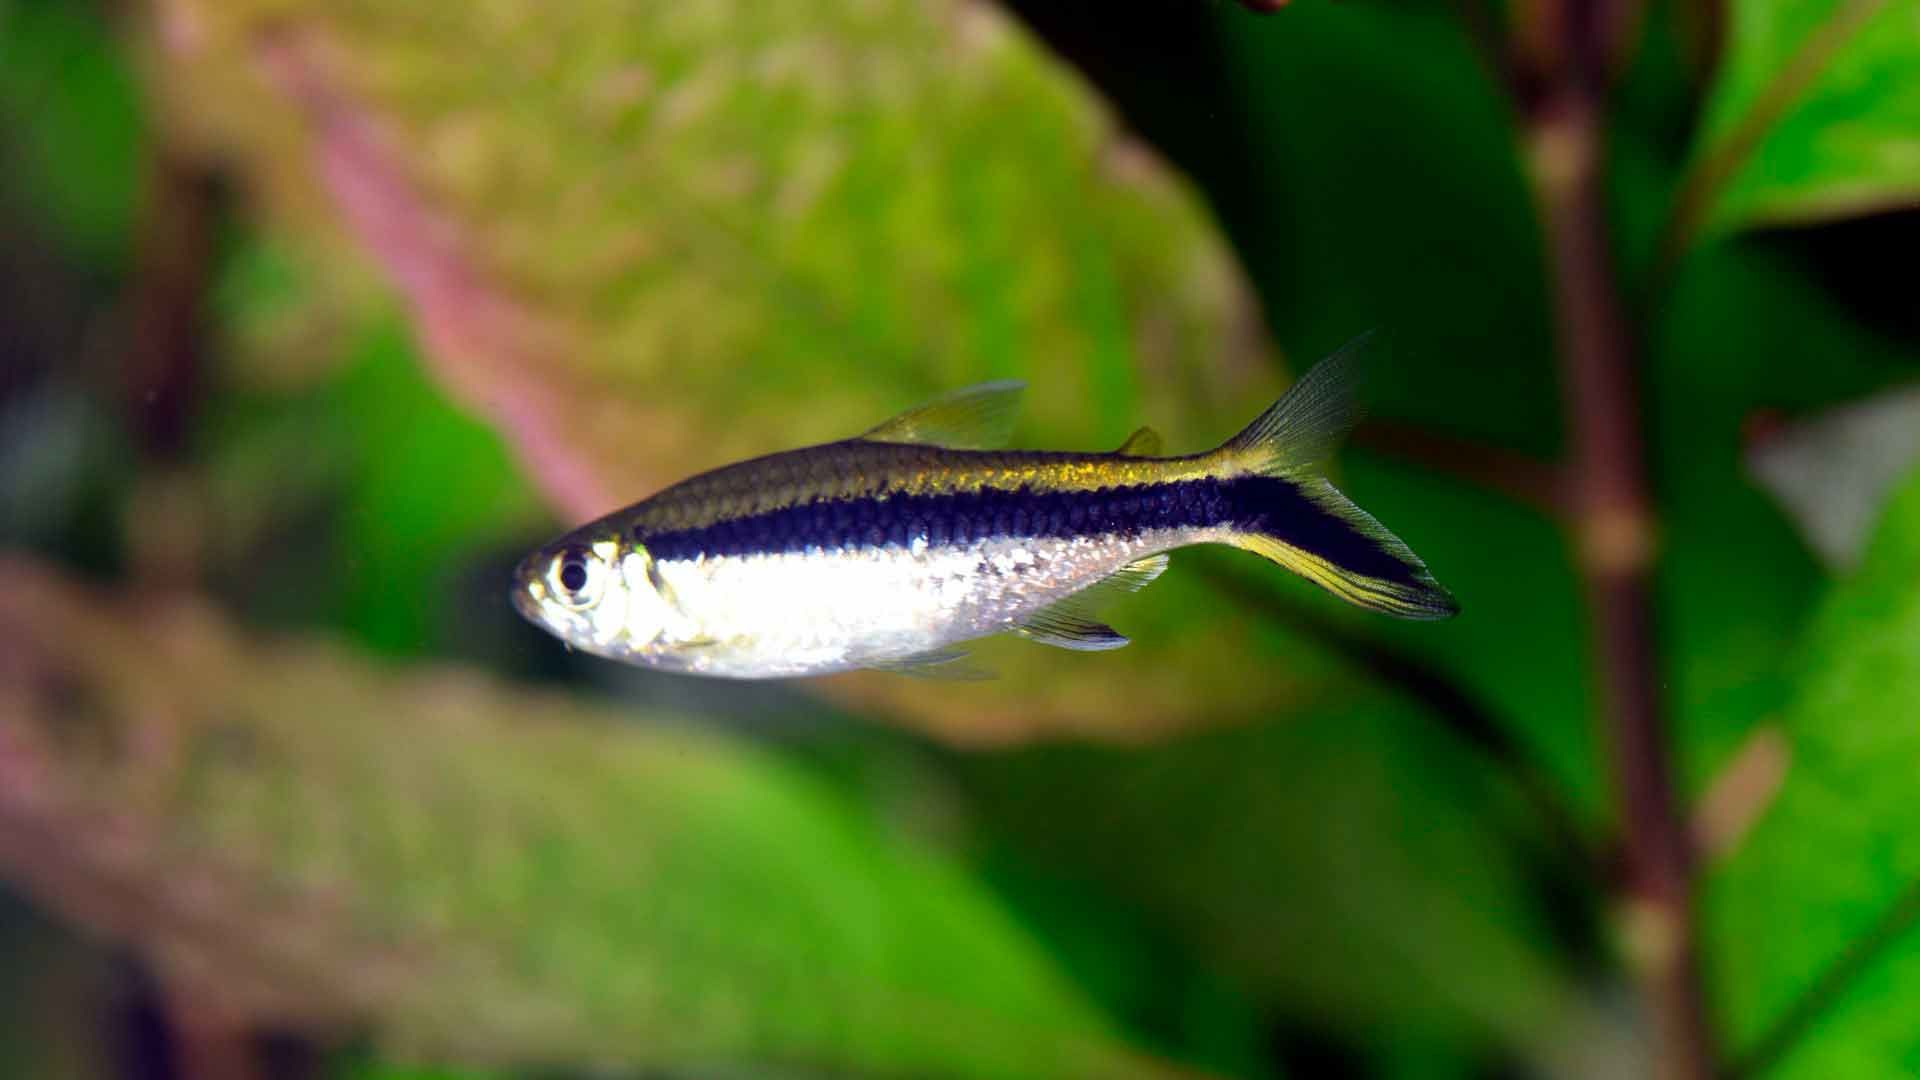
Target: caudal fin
1304,523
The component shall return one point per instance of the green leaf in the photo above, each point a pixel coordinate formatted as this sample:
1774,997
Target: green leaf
1351,866
473,873
1743,332
70,125
1336,99
1827,870
1814,115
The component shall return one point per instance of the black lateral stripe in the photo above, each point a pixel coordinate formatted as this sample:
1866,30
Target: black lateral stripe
1250,503
1287,514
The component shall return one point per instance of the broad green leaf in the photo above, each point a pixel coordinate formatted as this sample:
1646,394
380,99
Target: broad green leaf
1814,114
1351,867
70,126
1838,853
297,836
1744,332
647,240
1335,100
376,472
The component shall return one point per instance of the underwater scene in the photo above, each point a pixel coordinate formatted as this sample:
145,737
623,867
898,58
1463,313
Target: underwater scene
954,538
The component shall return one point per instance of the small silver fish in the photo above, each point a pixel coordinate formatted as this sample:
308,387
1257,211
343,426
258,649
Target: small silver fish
890,549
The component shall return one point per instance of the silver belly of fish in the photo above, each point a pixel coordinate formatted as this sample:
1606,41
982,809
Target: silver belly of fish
804,613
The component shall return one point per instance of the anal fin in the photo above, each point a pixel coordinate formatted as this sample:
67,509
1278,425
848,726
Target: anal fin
949,665
1062,625
1069,623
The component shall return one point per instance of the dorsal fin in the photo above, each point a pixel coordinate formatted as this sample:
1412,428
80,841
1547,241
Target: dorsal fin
1142,443
976,418
1302,429
1070,623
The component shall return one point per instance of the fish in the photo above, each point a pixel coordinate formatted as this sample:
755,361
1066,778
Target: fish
894,549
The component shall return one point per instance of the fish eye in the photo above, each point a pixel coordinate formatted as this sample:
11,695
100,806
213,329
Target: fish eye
577,573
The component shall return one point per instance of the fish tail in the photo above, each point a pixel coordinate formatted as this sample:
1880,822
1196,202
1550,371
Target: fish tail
1291,514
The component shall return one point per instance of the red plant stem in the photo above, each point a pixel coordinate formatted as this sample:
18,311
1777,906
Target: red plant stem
1533,483
173,270
1614,527
209,1046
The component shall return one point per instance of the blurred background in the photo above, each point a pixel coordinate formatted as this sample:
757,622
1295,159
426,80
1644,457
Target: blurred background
315,315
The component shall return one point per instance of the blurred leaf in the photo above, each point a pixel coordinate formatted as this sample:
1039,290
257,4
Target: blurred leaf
1814,114
1334,100
286,316
647,241
54,444
340,487
1513,564
1351,866
1745,333
356,1067
70,122
1168,995
1833,471
58,993
359,502
1827,869
297,837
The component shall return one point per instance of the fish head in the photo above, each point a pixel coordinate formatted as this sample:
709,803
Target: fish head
596,593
